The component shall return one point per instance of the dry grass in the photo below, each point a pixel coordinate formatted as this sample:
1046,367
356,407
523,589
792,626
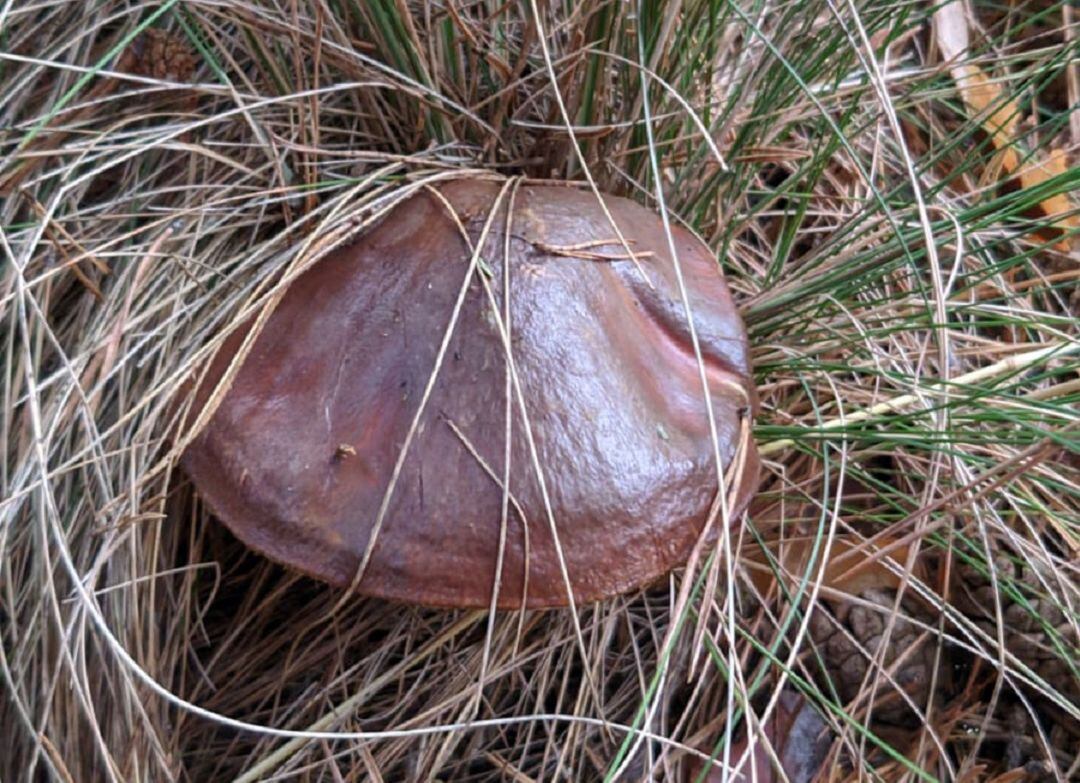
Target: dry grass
914,333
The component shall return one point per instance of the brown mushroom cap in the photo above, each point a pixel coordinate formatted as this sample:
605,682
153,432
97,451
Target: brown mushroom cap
297,458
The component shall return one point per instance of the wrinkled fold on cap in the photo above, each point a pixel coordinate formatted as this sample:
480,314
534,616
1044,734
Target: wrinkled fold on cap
298,457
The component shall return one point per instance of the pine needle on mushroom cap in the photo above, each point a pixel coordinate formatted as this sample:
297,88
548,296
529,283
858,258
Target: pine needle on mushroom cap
860,215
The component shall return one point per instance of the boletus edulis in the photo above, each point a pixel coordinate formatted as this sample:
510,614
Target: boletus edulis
334,452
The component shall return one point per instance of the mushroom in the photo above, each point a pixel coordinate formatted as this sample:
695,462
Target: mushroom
358,446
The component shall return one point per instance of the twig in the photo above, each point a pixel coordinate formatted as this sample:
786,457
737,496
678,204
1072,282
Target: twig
1005,366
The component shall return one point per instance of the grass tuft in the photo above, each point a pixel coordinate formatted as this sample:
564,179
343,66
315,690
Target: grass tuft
908,278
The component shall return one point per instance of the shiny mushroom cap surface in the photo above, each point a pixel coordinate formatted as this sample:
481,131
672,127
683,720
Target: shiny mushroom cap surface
611,454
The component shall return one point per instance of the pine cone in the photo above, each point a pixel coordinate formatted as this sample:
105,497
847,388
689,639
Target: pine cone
865,627
159,55
1027,627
